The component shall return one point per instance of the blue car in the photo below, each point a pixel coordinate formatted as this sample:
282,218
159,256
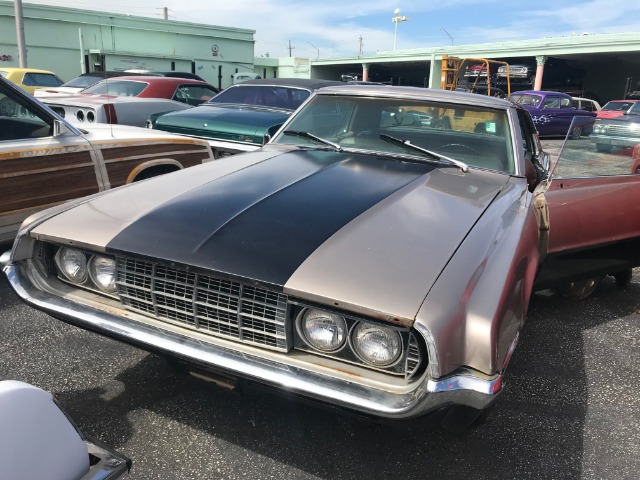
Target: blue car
553,112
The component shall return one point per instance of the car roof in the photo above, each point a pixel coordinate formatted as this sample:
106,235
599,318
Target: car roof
308,83
160,80
417,93
541,92
25,70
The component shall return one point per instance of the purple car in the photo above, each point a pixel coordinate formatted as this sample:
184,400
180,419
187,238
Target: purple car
552,112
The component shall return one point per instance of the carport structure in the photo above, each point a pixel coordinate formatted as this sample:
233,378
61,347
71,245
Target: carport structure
601,64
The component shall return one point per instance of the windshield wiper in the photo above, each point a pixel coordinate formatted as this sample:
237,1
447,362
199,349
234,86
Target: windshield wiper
461,165
297,133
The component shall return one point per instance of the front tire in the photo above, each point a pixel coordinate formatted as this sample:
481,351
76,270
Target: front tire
576,132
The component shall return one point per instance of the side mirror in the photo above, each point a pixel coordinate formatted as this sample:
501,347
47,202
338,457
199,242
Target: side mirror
266,139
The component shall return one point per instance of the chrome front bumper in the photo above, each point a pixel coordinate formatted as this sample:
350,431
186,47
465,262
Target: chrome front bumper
427,394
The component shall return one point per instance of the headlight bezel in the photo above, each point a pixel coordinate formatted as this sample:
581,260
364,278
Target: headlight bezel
88,282
412,345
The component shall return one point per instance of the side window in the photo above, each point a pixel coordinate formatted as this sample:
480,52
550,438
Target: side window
193,94
566,103
527,131
551,102
19,119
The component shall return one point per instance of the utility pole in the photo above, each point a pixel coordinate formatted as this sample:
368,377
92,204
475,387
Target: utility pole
290,48
22,50
166,13
361,49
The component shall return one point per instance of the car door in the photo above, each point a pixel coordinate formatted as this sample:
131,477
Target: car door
37,168
594,213
557,118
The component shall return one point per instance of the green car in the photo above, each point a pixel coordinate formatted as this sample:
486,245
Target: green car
237,119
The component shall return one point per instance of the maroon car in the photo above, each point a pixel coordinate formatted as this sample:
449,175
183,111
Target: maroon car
130,100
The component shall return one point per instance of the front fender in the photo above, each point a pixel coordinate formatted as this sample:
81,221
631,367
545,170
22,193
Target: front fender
478,304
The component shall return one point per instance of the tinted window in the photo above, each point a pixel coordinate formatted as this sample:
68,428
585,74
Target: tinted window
41,79
266,95
120,88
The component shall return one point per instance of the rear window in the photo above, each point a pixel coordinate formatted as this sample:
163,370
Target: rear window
119,88
265,95
83,82
41,80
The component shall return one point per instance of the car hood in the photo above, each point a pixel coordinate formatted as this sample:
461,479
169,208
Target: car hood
348,230
240,123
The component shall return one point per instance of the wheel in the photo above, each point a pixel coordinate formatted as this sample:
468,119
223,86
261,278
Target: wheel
603,147
623,278
7,107
441,124
576,132
459,148
580,289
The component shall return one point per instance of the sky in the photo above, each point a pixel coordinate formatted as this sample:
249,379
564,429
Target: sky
346,28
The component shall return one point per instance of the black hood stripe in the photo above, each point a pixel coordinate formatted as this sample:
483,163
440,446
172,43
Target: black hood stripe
262,222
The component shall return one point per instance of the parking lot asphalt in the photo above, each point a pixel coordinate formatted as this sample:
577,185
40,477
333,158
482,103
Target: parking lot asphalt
571,408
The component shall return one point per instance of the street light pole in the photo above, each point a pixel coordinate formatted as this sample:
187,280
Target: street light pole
396,19
22,49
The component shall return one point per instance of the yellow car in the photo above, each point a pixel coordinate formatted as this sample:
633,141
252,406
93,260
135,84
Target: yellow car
29,79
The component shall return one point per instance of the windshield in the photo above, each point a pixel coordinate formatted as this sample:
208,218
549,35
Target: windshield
120,88
264,95
635,109
473,135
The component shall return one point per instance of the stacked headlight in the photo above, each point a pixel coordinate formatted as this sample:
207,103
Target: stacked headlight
86,269
73,264
103,273
376,345
322,330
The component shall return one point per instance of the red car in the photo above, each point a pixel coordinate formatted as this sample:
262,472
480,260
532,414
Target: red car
615,108
130,100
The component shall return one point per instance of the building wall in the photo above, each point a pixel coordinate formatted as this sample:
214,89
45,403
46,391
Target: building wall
55,37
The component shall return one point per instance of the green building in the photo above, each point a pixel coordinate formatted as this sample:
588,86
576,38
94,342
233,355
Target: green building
70,41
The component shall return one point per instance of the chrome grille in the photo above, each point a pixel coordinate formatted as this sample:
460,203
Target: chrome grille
210,305
414,358
619,130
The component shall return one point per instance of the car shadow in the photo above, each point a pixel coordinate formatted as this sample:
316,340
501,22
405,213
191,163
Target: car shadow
149,410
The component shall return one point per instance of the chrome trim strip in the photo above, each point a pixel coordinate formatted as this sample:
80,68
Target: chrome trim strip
427,396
